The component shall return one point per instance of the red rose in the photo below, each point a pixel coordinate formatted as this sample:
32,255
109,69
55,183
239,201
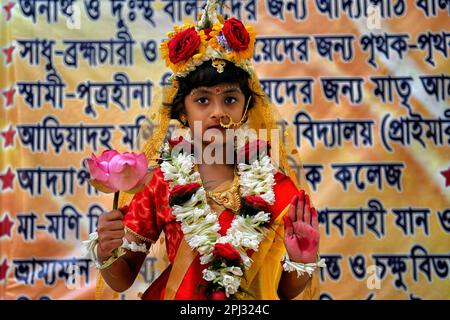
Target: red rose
226,251
182,193
236,34
179,144
183,45
174,142
253,151
257,203
218,295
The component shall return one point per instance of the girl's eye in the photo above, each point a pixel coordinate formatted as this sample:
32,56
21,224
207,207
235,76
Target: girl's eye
230,100
202,100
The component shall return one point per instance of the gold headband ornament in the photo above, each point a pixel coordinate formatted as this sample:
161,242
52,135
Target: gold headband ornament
219,65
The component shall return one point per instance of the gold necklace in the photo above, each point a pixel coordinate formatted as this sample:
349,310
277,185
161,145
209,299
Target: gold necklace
229,198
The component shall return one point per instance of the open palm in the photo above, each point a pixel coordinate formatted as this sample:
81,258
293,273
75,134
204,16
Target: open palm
301,230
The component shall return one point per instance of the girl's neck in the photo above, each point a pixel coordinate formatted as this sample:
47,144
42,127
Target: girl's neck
213,175
219,171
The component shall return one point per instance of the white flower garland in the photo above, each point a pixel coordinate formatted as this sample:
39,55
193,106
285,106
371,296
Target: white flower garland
301,268
200,224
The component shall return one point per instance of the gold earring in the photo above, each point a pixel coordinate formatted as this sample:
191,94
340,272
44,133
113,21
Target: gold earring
183,120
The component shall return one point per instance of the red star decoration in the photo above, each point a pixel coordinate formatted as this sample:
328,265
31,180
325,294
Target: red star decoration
8,9
7,179
446,174
3,269
8,52
9,137
6,226
9,95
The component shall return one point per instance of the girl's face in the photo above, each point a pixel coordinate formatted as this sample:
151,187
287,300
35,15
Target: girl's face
206,106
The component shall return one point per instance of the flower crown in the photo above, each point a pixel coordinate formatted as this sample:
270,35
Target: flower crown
213,38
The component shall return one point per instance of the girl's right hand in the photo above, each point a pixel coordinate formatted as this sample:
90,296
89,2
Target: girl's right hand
111,230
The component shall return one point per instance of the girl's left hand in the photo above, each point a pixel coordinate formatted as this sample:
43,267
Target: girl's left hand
301,230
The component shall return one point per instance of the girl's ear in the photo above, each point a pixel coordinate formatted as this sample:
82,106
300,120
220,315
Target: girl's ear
178,110
182,115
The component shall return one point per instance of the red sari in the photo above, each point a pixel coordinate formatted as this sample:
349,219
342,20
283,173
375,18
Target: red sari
149,214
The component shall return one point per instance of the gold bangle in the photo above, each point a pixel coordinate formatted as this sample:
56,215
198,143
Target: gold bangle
138,236
117,253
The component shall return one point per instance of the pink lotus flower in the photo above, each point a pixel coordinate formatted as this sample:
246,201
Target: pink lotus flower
113,171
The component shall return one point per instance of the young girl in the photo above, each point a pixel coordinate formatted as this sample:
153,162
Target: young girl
235,224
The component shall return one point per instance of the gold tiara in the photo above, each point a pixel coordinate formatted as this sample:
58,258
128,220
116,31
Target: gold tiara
189,45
